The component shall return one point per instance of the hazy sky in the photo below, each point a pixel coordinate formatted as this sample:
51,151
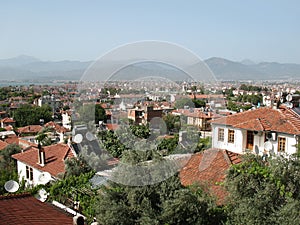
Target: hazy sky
261,30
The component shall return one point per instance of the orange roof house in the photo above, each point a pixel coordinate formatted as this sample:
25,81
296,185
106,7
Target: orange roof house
262,131
55,156
29,130
264,119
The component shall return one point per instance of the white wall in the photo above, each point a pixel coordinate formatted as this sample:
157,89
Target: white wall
240,139
22,174
237,146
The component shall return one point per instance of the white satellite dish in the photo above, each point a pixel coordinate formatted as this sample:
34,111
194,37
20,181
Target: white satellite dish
42,195
90,136
44,178
289,105
289,97
11,186
78,138
268,146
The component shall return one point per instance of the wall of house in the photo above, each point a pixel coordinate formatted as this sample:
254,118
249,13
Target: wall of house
290,143
22,174
240,141
237,146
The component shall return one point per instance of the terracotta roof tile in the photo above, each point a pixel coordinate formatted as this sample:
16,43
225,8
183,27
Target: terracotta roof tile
111,126
30,129
55,157
3,145
208,169
58,128
25,209
264,119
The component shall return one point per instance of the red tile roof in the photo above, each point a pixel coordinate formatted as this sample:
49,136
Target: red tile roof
111,126
25,209
264,119
208,169
56,127
3,145
55,157
30,129
7,120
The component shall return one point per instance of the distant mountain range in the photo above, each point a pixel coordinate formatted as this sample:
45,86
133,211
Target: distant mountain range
30,68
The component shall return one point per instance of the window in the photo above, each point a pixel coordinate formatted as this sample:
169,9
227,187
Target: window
230,136
29,173
281,144
221,134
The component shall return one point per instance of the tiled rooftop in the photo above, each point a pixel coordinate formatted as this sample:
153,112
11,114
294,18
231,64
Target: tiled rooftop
30,129
208,169
55,156
264,119
3,145
25,209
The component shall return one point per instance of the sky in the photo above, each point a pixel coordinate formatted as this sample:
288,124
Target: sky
260,30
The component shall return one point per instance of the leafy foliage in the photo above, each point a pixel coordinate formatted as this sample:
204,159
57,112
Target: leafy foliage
262,193
163,203
172,122
75,188
8,167
28,115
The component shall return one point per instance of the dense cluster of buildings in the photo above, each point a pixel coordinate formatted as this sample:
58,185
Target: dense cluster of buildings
269,128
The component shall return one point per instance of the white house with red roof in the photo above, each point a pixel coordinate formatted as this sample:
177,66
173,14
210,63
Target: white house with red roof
259,131
33,161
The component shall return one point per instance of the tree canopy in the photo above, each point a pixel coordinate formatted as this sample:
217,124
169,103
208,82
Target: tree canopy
31,115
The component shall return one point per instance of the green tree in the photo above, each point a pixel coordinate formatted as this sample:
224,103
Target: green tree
8,167
186,101
30,115
172,122
263,193
162,203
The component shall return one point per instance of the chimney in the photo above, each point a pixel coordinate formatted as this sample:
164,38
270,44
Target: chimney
41,155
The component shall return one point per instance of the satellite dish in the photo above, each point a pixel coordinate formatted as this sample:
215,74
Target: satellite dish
268,146
289,97
78,138
90,136
44,178
11,186
42,195
289,105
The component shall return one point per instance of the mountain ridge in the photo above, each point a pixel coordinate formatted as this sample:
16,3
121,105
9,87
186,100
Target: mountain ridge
28,67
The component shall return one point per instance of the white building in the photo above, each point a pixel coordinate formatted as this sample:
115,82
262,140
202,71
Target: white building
34,161
261,131
67,120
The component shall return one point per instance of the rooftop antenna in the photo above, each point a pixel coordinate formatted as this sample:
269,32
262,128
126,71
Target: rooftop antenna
11,186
